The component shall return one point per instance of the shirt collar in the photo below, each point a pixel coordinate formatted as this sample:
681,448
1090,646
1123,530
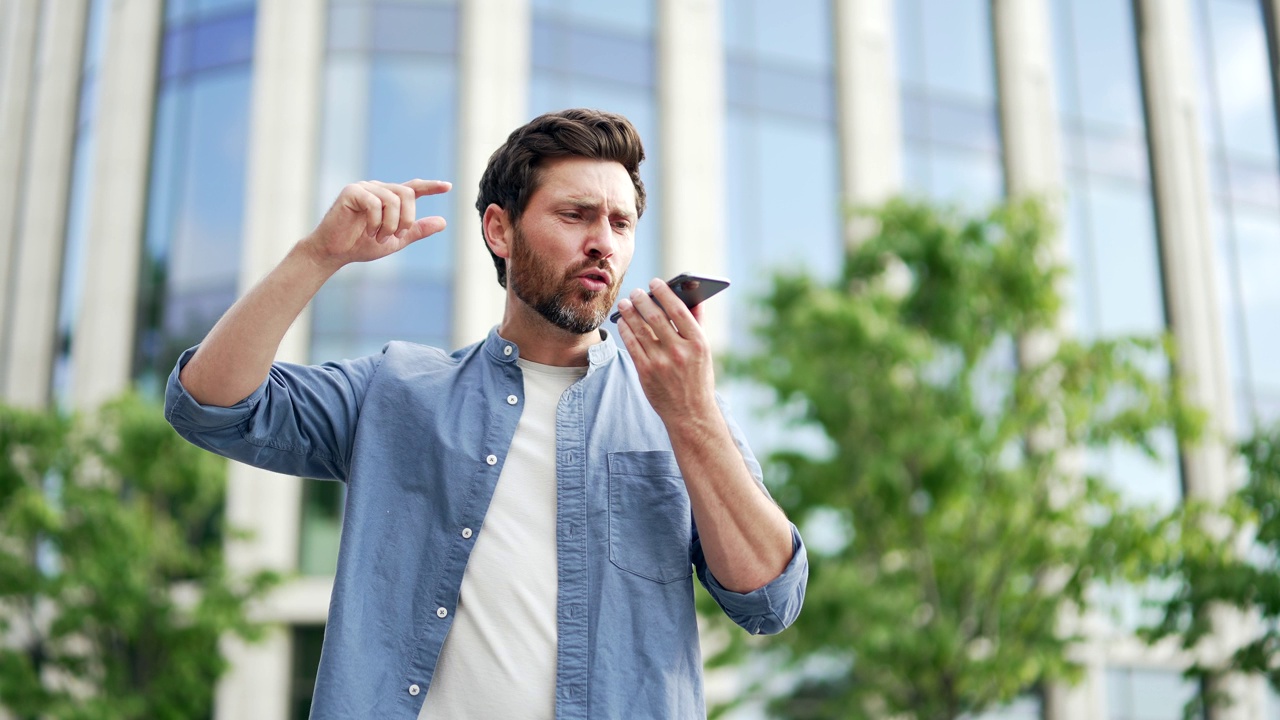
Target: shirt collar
505,351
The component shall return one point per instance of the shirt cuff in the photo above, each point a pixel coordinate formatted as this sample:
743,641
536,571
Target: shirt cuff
771,608
183,410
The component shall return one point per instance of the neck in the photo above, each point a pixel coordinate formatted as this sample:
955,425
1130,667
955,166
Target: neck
540,341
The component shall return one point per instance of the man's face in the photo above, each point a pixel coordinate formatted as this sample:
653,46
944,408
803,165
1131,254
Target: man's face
574,242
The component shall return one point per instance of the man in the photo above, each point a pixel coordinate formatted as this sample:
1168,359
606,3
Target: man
524,516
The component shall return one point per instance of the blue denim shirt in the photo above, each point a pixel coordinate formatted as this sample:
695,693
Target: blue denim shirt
419,436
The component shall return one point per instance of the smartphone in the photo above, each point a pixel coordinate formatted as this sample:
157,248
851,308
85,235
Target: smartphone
690,288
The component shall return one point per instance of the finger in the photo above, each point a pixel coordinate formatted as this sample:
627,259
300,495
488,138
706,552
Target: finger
633,315
629,338
424,227
408,209
428,187
360,200
681,318
654,313
390,210
696,312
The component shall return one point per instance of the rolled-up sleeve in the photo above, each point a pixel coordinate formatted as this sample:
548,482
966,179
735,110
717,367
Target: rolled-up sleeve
767,610
300,421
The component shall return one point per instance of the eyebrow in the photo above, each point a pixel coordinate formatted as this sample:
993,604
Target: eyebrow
589,204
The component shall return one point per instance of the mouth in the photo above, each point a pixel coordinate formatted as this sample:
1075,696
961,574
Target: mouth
594,280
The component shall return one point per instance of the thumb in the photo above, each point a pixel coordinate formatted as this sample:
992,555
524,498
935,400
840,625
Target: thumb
424,227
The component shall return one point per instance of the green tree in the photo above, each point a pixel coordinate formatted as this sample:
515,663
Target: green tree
1214,573
113,589
970,528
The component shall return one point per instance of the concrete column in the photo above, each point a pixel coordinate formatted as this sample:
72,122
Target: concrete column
691,125
18,30
867,105
494,43
102,351
1033,168
1183,216
266,671
1191,298
1028,112
280,179
40,231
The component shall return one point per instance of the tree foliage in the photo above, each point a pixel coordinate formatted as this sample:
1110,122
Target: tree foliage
971,528
113,589
1214,573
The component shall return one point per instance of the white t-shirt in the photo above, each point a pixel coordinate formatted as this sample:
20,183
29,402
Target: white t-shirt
499,659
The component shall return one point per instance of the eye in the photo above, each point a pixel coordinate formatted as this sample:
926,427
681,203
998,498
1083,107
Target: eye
622,224
571,215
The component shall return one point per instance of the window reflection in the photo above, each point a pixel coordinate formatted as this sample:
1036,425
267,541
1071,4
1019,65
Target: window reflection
794,34
195,202
945,48
781,152
1147,694
950,119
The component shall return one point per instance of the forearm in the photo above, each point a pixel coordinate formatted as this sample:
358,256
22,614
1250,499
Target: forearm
237,354
746,538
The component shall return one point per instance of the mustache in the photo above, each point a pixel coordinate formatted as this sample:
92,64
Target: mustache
601,264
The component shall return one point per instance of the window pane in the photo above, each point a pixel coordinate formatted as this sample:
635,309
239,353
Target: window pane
1098,38
793,34
1241,62
957,47
195,203
307,641
1143,694
1127,260
322,504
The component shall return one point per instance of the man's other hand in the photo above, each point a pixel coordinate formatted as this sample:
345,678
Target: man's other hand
370,220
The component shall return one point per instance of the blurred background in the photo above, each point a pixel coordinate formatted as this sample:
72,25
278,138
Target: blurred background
157,158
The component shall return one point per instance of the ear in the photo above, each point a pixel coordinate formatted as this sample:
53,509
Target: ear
497,230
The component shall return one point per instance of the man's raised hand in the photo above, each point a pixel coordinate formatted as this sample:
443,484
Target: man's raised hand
370,220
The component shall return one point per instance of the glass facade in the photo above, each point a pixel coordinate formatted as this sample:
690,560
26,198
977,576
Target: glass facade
389,113
195,202
780,142
1147,694
1238,127
601,55
1109,220
950,114
79,198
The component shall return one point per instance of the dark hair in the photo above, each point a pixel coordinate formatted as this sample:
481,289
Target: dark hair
513,173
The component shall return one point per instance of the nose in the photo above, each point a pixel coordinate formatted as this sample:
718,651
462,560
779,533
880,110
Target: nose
600,241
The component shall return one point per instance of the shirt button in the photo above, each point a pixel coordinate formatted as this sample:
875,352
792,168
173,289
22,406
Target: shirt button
506,350
442,613
492,459
466,532
512,399
414,690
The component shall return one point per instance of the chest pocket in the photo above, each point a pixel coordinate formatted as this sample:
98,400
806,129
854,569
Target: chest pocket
650,524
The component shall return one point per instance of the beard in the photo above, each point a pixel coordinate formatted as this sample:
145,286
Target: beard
559,297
